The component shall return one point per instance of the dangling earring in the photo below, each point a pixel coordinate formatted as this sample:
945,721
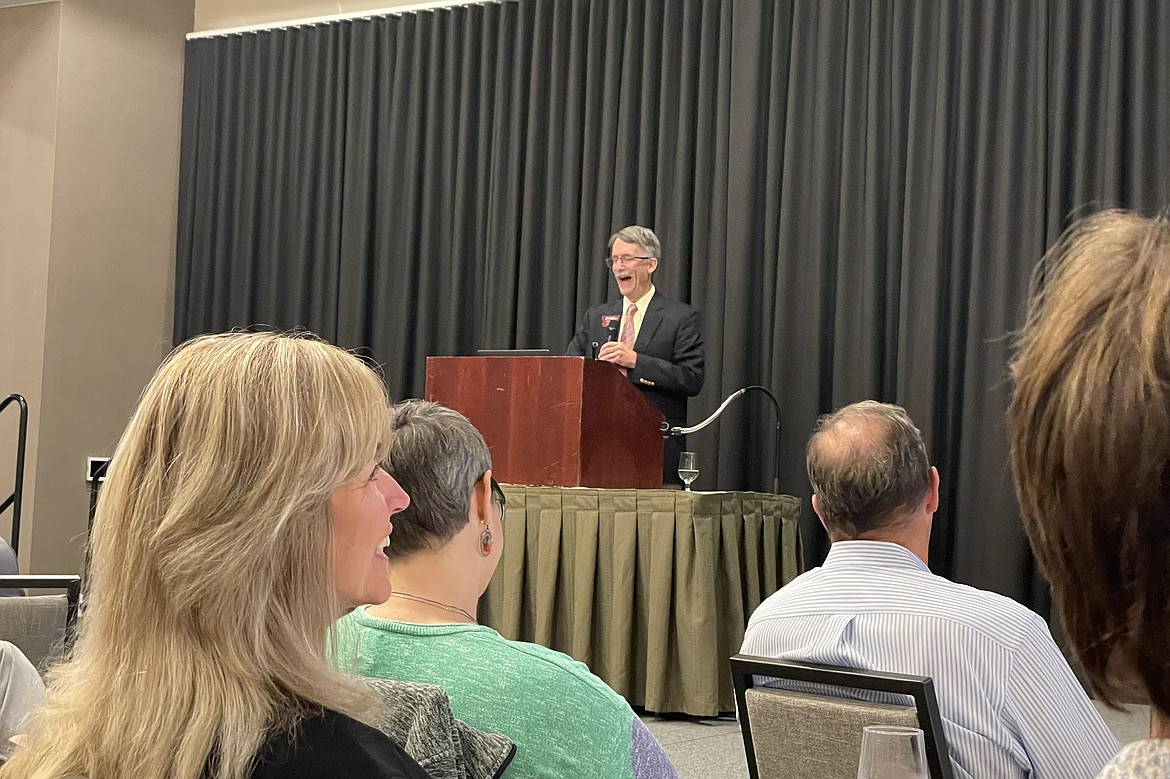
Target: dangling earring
485,542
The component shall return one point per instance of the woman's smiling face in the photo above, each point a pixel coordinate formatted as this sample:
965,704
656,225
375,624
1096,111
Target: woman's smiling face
361,510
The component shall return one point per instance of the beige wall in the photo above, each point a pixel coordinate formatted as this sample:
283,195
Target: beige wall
29,41
90,104
109,267
222,14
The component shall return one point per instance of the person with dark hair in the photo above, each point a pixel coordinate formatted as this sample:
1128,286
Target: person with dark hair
660,341
1010,705
1089,425
565,721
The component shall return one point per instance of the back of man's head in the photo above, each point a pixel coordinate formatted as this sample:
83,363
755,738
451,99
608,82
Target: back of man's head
868,468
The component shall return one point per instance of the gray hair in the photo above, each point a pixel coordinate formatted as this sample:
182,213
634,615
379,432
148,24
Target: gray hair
642,236
867,464
437,456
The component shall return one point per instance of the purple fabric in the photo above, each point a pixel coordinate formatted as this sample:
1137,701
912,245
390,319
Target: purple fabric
649,761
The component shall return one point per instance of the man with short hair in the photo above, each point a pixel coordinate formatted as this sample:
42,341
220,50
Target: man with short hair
660,341
1011,706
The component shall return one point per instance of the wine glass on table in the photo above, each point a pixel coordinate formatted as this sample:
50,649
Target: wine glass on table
688,468
892,752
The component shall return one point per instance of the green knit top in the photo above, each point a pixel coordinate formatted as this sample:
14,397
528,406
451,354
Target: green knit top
564,720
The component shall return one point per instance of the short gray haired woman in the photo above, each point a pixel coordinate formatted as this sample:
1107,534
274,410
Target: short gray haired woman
446,545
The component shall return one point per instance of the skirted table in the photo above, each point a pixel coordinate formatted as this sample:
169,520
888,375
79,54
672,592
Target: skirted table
651,589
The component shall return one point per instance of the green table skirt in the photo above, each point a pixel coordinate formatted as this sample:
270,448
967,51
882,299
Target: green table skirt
651,589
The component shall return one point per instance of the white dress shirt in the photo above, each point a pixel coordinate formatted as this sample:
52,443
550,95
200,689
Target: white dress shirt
1010,705
642,303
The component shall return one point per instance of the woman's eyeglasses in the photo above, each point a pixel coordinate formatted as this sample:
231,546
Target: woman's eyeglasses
498,497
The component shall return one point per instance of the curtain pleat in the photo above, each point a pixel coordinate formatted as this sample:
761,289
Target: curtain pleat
854,193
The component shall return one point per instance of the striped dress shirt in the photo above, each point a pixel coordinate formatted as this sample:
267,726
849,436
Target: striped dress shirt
1011,706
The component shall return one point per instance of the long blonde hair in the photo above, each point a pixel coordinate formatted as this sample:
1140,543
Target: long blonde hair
211,595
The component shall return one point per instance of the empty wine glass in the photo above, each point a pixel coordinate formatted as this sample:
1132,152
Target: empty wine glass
688,468
892,752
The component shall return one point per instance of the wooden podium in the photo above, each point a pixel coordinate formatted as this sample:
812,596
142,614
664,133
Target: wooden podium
555,421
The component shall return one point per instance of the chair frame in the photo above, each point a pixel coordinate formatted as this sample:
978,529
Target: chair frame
744,669
71,583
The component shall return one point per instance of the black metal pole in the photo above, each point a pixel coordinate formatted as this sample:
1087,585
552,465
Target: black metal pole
776,410
17,497
667,430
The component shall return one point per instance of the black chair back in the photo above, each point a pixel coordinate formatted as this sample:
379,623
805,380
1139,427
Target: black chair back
745,669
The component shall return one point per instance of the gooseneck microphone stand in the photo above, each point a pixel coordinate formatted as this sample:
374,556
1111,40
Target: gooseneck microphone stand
667,430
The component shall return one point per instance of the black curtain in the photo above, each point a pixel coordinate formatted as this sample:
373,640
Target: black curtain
853,192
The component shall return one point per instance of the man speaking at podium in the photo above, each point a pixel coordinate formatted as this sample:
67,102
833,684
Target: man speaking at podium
656,342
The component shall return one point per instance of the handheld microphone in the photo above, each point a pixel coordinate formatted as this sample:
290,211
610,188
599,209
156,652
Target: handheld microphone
611,322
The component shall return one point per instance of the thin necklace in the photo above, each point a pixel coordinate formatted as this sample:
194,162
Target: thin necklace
452,609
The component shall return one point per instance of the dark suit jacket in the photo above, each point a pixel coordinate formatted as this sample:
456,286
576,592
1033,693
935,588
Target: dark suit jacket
670,352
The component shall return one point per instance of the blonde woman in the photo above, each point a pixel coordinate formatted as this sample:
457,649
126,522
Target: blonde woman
245,511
